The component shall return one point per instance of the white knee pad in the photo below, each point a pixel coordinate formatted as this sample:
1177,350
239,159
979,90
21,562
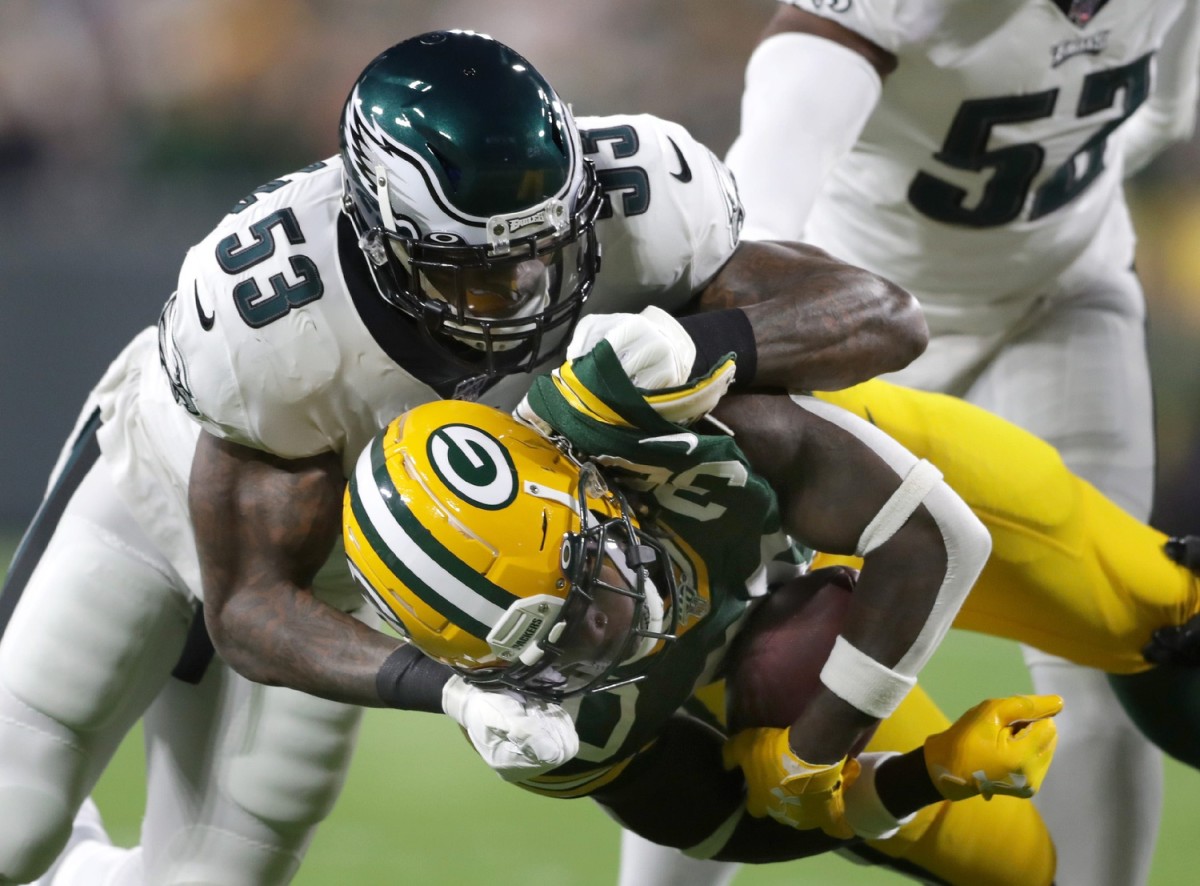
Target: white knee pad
90,629
291,768
240,776
261,767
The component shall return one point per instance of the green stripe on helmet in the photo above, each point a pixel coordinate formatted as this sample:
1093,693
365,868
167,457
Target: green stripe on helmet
430,545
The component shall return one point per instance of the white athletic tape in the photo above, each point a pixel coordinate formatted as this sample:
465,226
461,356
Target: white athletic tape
895,512
860,680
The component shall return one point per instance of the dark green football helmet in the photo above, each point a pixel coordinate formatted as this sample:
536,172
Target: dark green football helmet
467,185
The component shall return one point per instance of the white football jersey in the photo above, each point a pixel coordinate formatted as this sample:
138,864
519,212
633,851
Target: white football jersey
988,165
267,344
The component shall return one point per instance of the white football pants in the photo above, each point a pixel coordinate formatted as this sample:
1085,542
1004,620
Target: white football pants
238,774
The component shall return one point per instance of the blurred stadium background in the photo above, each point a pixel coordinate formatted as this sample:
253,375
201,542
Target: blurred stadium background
128,128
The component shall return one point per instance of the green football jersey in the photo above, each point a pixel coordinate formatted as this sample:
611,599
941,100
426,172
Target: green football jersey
717,519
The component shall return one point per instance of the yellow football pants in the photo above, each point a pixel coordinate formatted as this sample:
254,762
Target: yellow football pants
1070,572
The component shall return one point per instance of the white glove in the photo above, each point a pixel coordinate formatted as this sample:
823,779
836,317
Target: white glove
654,349
518,737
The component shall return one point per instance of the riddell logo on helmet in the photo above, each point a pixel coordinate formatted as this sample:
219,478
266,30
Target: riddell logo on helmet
537,218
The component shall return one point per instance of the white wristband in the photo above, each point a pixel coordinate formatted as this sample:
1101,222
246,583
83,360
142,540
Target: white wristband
859,680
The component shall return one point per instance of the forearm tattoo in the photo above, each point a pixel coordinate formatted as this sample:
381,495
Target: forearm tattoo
264,527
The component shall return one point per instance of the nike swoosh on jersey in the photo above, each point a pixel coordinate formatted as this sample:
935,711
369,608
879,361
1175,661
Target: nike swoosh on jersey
206,320
691,441
685,172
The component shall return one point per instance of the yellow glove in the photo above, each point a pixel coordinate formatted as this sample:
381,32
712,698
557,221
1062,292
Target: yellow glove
779,784
1000,746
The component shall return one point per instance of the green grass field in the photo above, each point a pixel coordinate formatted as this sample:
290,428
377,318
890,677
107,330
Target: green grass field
418,809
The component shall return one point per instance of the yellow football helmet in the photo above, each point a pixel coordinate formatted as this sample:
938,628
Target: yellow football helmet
498,553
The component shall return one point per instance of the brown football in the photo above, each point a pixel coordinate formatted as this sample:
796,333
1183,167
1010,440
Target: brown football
775,664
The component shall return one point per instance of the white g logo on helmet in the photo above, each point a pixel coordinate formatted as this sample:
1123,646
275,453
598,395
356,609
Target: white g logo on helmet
473,465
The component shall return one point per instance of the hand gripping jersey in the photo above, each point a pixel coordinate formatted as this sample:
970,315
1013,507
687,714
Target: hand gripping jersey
693,488
277,338
990,163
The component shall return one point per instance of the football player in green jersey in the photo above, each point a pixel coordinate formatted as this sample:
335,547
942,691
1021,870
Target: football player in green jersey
499,554
1057,541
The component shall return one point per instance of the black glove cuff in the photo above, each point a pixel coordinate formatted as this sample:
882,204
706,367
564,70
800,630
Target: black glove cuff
717,333
410,681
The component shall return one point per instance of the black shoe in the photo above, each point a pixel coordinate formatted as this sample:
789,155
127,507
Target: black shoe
1178,644
1184,550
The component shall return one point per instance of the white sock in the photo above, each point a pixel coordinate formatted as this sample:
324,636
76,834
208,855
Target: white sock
647,864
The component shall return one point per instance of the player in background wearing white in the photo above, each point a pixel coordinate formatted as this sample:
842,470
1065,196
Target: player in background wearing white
974,153
446,252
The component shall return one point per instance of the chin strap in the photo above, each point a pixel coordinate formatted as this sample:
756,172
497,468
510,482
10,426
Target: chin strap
384,199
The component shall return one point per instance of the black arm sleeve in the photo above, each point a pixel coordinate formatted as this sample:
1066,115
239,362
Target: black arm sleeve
410,681
717,333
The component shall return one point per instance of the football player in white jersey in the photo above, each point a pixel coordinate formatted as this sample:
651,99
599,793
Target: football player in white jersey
974,153
448,251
